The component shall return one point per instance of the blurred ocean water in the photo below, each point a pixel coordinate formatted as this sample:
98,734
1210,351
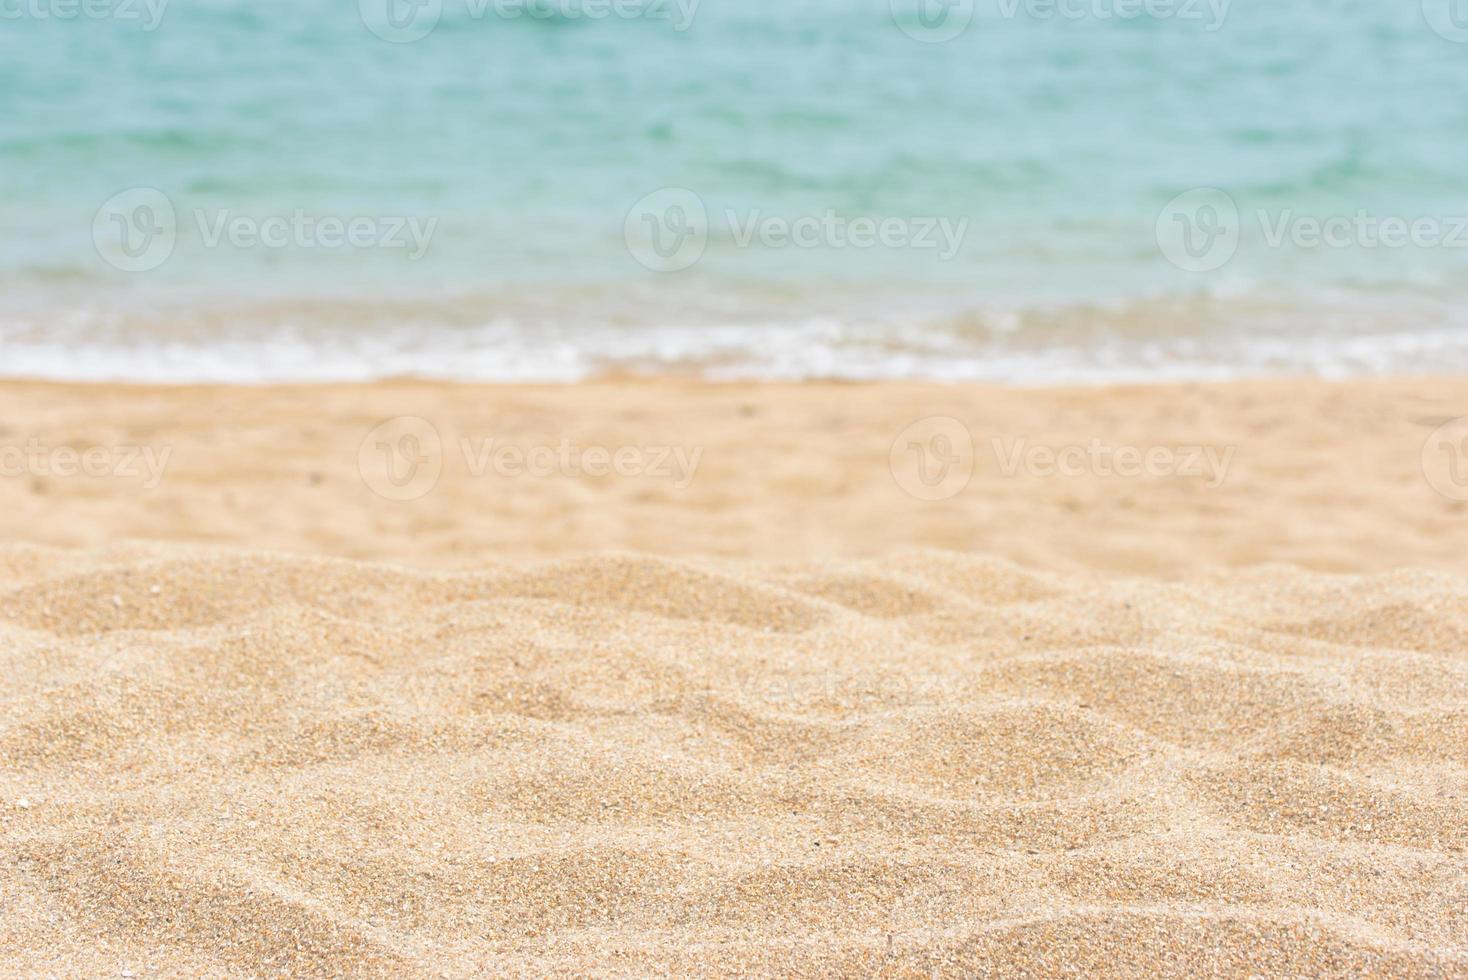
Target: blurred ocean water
1028,191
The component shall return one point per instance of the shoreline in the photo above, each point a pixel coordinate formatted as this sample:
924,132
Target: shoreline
672,378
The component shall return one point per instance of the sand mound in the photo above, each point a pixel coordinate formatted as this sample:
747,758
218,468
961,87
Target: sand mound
236,764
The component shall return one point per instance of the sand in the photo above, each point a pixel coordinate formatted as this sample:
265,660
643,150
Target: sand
771,714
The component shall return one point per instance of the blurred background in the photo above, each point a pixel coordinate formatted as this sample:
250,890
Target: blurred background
551,189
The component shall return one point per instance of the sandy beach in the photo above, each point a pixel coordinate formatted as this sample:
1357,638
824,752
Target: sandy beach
656,488
637,678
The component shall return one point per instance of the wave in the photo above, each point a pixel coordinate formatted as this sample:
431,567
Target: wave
562,336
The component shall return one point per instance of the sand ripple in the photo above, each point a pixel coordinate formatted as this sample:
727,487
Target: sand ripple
239,765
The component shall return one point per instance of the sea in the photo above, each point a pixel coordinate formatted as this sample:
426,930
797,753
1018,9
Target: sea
1016,191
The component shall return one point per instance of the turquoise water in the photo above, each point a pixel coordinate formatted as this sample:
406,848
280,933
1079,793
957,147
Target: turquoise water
523,142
